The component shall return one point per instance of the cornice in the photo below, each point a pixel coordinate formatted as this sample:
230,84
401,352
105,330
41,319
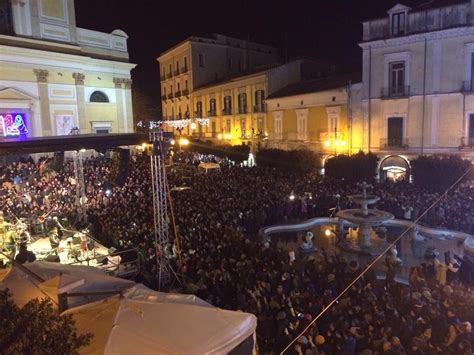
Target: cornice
419,37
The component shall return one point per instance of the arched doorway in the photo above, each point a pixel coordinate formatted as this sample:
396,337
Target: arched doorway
394,168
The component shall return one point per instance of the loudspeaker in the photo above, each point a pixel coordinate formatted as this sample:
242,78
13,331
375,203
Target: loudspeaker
122,173
58,161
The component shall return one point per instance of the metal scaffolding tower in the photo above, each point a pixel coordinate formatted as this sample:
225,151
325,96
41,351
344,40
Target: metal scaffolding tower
160,210
80,185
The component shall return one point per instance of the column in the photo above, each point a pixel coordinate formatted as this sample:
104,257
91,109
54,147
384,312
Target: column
42,79
120,104
129,124
81,101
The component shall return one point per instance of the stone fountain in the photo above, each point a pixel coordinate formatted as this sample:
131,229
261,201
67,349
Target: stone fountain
364,217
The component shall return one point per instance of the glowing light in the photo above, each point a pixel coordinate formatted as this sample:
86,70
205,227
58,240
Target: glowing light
327,233
108,192
172,142
219,136
327,143
193,125
336,142
13,126
82,150
228,136
343,142
144,145
183,141
292,196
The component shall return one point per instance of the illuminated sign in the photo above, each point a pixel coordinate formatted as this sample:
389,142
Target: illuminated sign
13,124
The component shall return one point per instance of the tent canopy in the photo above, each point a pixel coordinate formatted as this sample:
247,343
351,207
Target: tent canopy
209,166
128,326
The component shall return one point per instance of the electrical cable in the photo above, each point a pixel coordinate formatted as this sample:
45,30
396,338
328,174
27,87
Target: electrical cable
325,309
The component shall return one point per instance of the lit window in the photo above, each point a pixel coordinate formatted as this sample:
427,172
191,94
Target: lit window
201,60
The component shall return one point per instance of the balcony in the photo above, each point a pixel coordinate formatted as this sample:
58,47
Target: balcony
394,143
227,111
184,69
163,98
176,72
259,108
186,92
162,77
198,114
467,86
212,113
170,96
242,110
177,94
169,75
395,92
467,142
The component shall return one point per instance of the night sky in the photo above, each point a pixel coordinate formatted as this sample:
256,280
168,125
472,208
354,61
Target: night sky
328,30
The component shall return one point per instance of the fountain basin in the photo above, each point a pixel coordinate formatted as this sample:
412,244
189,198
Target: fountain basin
366,200
372,218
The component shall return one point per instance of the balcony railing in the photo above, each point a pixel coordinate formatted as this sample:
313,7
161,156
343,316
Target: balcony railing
259,108
184,69
467,142
242,110
394,143
169,75
170,96
212,113
467,86
176,72
227,111
395,92
198,114
186,92
162,77
177,93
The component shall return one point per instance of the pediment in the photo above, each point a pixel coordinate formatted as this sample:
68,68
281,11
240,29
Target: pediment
15,94
399,8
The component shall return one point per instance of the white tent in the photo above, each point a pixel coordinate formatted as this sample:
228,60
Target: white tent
209,167
123,325
59,278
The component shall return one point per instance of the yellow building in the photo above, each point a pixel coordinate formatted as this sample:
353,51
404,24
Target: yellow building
56,77
322,115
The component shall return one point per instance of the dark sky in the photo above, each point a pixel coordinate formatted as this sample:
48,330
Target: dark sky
324,29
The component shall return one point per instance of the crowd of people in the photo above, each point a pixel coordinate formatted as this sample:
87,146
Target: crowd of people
225,262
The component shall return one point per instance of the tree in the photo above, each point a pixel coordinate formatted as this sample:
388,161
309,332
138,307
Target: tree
37,328
352,168
438,172
299,161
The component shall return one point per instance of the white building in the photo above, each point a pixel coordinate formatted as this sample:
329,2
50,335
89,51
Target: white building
55,76
418,82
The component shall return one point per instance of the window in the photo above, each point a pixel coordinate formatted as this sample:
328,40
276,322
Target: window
201,60
243,127
177,66
395,131
180,115
185,64
396,78
164,91
199,109
260,125
178,87
398,24
164,73
228,125
227,105
278,123
302,123
186,85
212,105
470,131
102,127
171,70
102,130
98,96
258,101
243,103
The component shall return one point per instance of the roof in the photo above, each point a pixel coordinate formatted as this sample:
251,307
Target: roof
68,143
316,85
419,5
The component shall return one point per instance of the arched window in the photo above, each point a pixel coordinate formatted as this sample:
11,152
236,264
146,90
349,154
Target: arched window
99,96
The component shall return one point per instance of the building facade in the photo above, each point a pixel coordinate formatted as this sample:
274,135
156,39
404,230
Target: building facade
56,78
418,92
319,115
199,61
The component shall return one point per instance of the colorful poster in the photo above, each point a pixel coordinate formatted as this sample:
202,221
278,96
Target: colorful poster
13,124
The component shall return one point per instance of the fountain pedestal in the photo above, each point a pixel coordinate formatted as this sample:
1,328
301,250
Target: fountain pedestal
364,217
